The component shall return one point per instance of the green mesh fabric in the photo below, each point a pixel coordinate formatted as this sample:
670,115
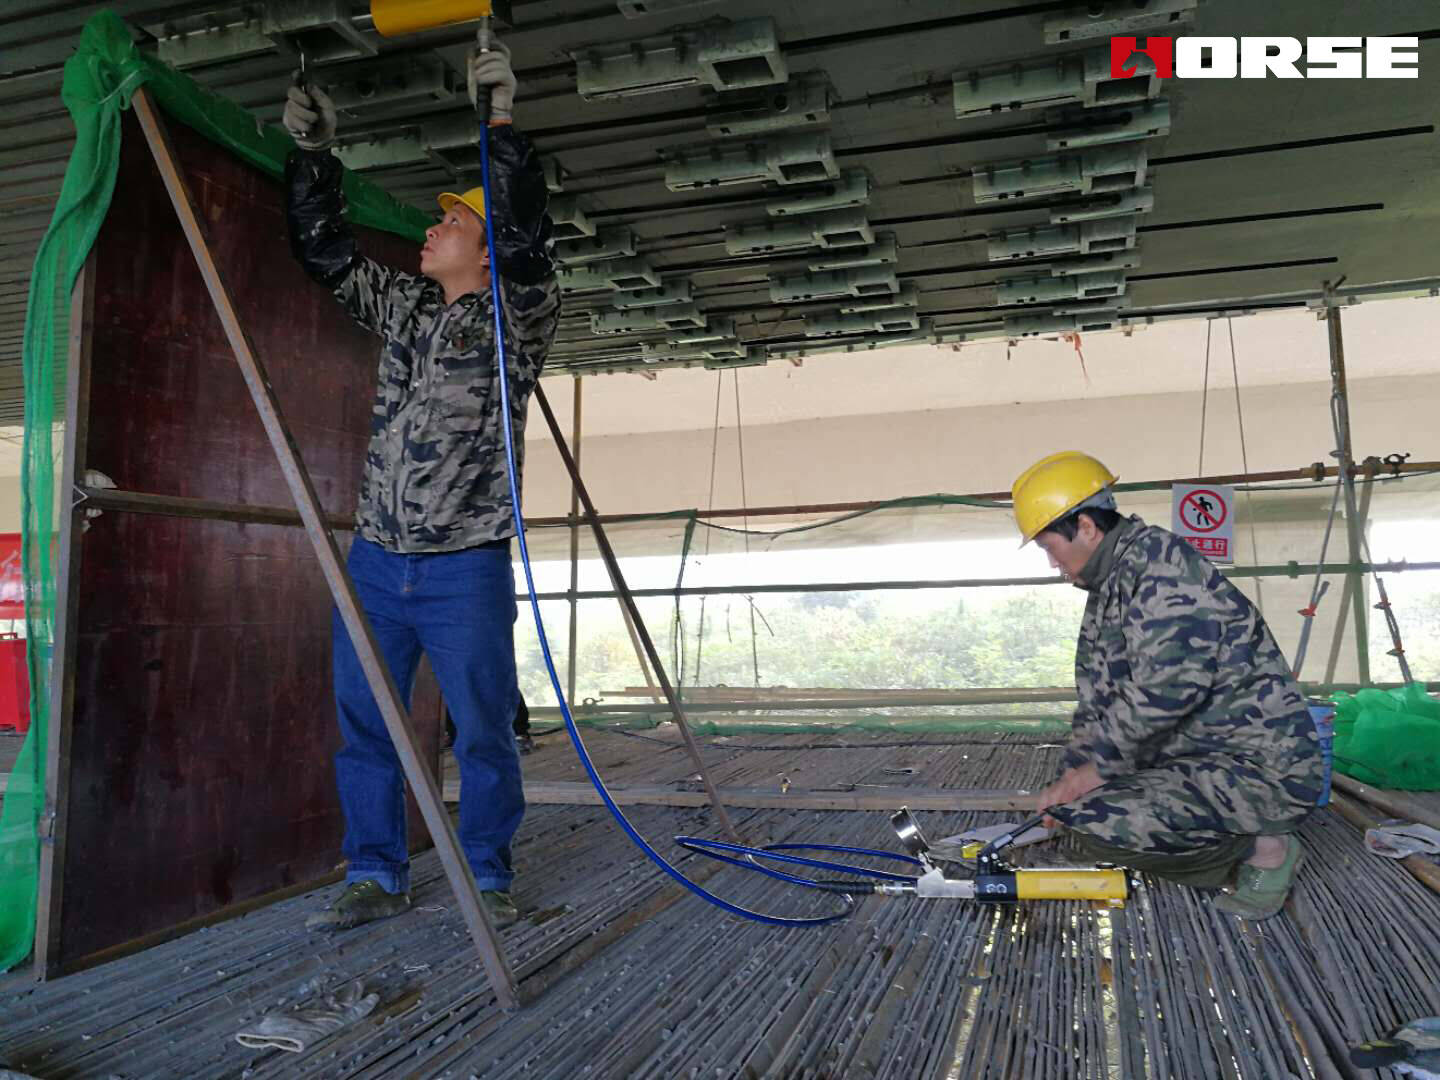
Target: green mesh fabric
99,81
1389,738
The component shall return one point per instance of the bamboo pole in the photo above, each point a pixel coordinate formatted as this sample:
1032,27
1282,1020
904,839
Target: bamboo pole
137,502
1290,570
146,502
1354,535
651,690
574,641
1392,802
899,699
55,813
1362,817
1316,473
582,793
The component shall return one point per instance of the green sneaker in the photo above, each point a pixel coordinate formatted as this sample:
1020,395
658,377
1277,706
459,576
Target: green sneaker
1260,893
361,902
500,908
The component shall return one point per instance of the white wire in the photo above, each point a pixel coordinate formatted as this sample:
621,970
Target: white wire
1245,466
1204,399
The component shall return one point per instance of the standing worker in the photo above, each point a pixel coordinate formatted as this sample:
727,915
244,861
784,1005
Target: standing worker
1192,755
431,555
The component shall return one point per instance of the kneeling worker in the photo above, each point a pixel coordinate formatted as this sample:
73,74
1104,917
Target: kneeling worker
1192,754
431,556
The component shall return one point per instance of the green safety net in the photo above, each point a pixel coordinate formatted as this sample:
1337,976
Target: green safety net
1389,738
99,81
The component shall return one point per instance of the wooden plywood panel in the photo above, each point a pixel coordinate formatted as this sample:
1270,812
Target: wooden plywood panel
203,723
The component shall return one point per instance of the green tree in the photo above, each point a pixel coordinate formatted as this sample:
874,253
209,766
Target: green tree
858,640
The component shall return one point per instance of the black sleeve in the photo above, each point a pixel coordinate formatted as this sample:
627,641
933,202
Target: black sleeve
315,212
322,241
522,226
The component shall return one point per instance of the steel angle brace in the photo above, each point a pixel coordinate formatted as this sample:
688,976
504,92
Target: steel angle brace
632,613
397,720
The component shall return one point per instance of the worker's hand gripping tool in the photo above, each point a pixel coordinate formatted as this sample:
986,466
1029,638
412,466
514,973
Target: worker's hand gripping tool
484,39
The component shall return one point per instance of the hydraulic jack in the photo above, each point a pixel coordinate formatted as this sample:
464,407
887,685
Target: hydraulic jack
994,879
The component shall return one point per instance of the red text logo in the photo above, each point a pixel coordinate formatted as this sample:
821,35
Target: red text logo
1161,51
1197,57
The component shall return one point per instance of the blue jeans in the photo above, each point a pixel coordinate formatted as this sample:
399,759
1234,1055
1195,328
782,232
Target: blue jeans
459,608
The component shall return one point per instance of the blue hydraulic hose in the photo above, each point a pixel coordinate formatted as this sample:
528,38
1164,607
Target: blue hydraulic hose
689,843
716,849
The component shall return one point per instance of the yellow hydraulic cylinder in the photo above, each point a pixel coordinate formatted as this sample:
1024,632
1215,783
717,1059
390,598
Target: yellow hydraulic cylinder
1072,884
396,17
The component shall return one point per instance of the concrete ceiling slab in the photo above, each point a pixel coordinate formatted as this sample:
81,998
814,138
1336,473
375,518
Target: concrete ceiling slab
1261,188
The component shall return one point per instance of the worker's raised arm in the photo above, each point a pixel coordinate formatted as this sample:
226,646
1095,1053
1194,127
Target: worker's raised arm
320,237
1173,620
522,225
517,180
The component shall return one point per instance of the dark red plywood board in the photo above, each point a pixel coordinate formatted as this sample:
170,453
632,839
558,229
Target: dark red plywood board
200,773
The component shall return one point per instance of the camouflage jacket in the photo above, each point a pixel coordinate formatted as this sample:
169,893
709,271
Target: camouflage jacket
435,477
1175,662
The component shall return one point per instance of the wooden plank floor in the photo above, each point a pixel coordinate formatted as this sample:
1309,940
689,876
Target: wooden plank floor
643,980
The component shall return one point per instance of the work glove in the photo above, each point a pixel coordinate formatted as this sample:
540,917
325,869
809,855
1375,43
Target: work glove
309,117
295,1031
493,69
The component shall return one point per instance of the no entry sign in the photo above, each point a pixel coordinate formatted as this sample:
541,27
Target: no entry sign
1205,517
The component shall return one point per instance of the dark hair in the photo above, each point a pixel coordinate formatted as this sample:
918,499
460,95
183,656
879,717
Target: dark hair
1069,525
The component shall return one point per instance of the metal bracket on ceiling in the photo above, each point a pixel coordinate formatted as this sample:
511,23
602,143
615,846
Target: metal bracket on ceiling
723,56
1084,238
1108,18
187,42
1079,78
883,251
755,356
878,320
637,319
847,227
401,77
321,30
802,102
1026,326
784,159
640,9
863,281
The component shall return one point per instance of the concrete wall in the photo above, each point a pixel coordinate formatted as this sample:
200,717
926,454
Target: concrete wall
9,504
961,450
964,450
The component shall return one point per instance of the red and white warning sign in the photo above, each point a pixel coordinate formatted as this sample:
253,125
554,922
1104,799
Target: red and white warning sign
1204,515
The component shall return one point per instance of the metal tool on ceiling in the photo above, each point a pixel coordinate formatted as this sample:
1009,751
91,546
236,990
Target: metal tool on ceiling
995,880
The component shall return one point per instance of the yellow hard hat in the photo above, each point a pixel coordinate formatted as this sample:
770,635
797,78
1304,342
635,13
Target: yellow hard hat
474,199
1054,486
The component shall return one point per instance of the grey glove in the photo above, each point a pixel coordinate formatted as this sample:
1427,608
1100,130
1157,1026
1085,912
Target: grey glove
309,117
305,1027
493,69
